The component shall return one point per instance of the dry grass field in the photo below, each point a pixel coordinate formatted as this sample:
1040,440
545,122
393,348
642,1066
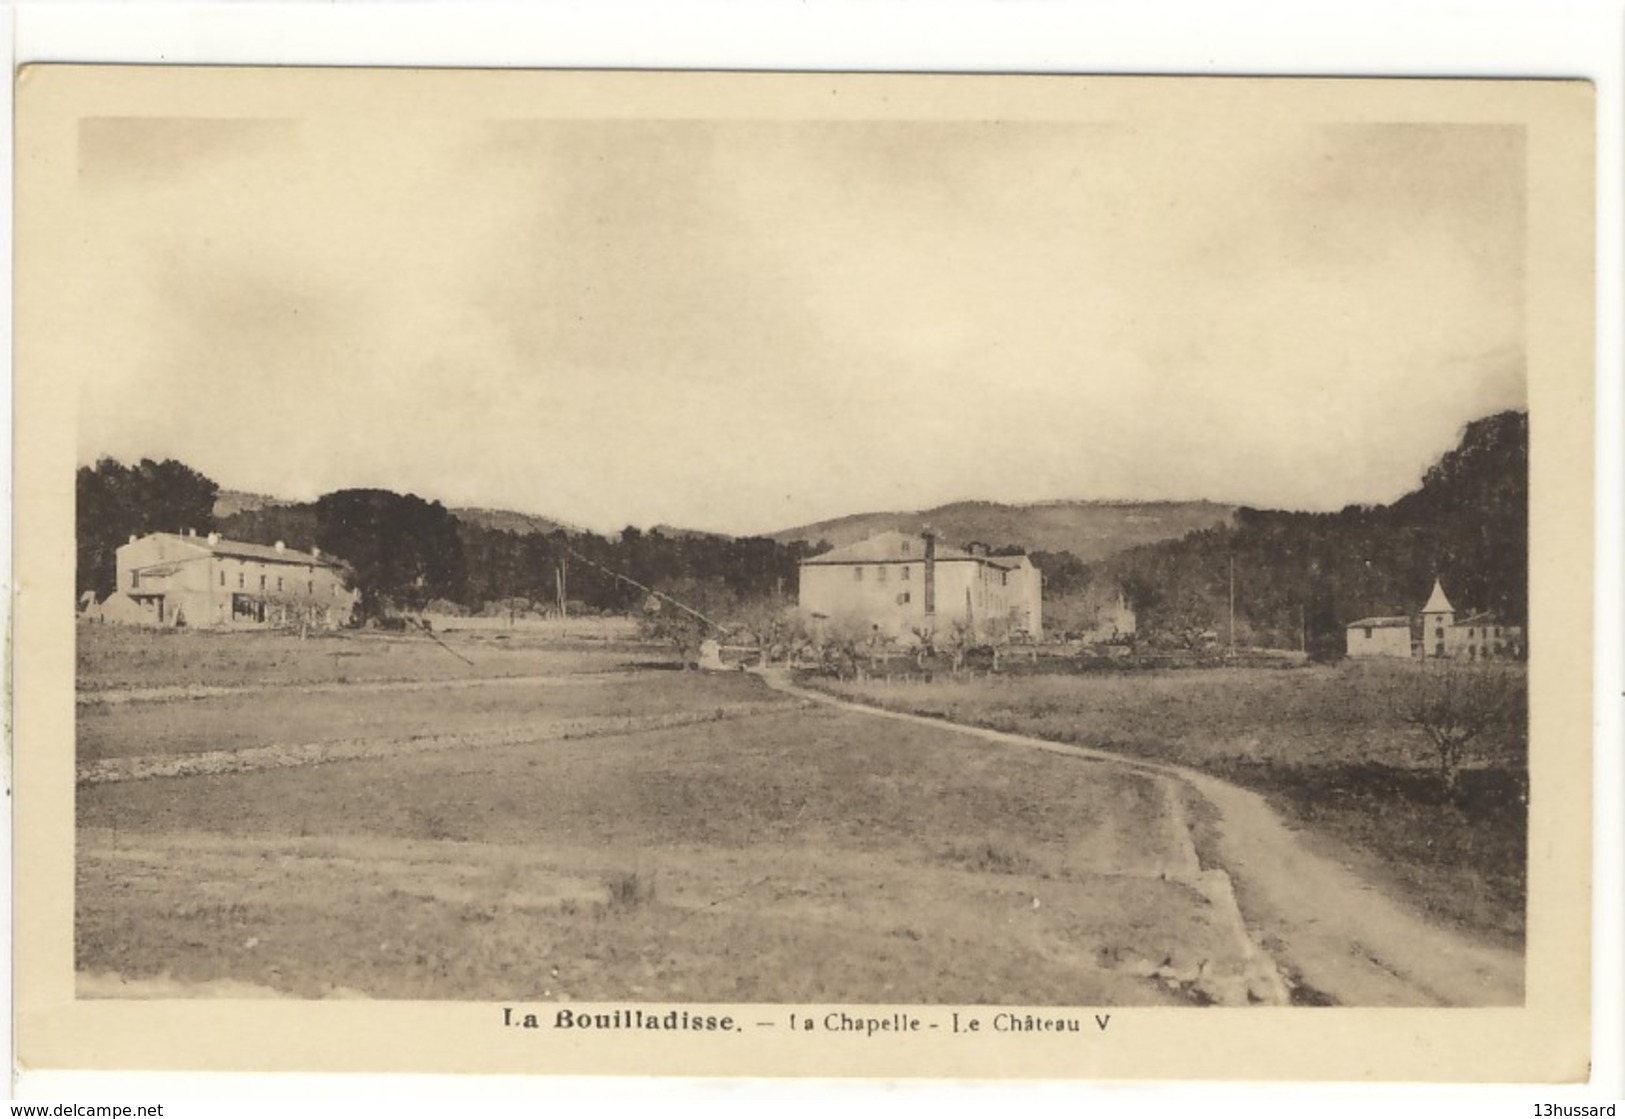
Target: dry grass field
553,821
1324,745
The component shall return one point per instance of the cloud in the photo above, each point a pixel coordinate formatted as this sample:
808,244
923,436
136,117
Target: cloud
744,324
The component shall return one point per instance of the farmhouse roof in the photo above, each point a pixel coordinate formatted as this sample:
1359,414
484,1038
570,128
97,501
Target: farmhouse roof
237,549
1381,623
1437,602
902,547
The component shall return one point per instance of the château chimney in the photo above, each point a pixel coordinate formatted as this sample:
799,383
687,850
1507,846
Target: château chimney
281,547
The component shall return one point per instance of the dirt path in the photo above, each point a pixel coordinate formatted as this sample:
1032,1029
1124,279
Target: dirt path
1339,940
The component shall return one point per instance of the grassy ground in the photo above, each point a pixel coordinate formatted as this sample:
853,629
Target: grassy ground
1323,743
794,854
126,657
240,721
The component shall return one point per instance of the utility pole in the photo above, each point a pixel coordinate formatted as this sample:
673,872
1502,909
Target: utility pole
1232,607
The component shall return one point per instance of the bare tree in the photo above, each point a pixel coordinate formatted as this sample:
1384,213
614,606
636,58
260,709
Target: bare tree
1454,704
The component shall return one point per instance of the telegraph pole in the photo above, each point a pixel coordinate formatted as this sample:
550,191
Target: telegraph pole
1232,607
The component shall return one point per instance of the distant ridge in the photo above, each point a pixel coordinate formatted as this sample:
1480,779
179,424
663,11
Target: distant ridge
506,520
1090,530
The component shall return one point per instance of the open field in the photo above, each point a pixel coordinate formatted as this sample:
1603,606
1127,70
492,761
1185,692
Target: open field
695,837
115,657
1323,744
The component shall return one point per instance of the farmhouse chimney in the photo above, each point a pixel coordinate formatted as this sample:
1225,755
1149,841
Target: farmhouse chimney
132,538
315,551
930,579
214,538
281,547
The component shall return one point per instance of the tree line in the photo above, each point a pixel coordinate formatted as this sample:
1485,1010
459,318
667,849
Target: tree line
404,552
1300,578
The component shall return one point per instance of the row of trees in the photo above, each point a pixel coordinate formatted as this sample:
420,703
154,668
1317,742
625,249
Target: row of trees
114,502
1301,577
404,552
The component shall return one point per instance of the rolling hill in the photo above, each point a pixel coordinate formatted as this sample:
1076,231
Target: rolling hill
1090,530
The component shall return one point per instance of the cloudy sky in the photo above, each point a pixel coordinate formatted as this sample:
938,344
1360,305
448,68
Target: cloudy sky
745,325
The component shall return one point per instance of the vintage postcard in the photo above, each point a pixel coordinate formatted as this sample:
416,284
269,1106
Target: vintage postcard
803,574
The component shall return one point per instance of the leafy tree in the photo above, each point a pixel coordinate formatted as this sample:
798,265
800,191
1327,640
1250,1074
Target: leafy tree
403,550
114,502
1302,577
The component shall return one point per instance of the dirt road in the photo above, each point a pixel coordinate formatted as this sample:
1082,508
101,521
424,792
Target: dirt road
1334,937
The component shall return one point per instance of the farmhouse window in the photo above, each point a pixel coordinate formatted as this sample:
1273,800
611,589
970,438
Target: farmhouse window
222,578
880,574
902,598
905,570
906,546
1438,650
262,582
310,586
1368,633
135,578
279,582
1469,631
239,580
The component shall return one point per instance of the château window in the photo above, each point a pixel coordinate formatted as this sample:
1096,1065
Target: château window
903,575
239,580
1368,633
135,579
880,574
222,578
279,582
857,574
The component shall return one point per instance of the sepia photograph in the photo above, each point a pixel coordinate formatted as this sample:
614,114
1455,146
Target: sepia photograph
949,562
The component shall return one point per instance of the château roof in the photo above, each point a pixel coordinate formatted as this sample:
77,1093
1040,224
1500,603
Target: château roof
238,549
1437,602
1380,623
902,547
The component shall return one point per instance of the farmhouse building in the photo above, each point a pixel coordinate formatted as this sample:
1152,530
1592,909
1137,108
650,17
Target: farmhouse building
1436,634
905,586
170,579
1380,637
